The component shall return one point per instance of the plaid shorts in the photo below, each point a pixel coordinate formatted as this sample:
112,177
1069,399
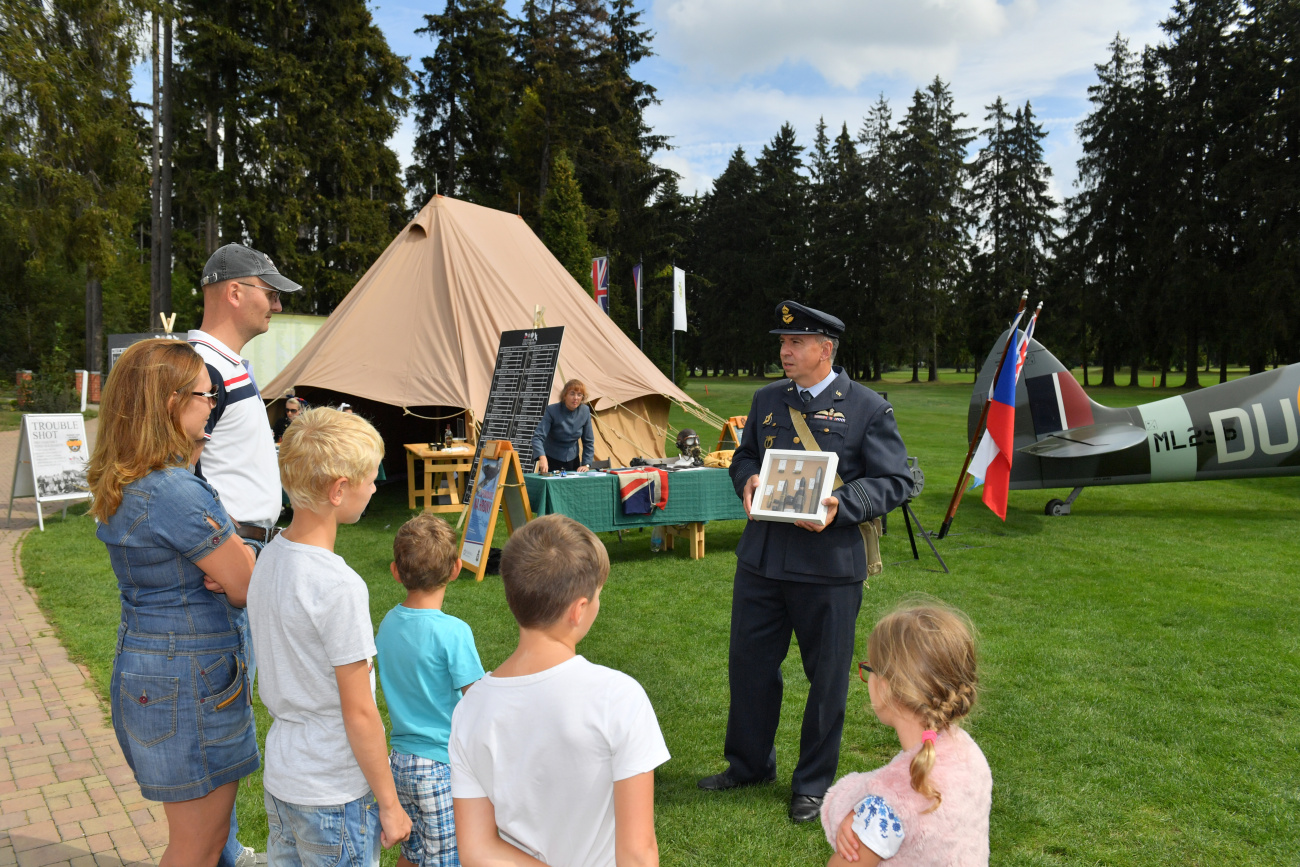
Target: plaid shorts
424,788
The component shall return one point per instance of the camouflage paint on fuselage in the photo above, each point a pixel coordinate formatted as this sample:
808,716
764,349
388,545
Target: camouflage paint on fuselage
1247,427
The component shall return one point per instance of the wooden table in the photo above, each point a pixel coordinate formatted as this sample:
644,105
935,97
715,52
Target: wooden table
445,471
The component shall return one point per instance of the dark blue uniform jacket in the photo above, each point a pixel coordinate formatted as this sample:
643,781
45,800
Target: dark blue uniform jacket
858,425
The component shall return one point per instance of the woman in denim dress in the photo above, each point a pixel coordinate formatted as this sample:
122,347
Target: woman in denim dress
179,694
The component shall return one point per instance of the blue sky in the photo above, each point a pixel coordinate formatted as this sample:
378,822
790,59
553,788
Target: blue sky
730,72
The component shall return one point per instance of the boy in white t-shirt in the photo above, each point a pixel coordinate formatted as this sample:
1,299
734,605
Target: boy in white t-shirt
553,757
328,787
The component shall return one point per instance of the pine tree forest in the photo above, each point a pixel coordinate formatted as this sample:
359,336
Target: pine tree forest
1177,249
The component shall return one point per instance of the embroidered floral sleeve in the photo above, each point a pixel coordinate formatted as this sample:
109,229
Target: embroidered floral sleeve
879,829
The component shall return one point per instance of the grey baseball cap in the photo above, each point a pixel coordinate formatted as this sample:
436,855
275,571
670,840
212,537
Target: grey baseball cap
235,260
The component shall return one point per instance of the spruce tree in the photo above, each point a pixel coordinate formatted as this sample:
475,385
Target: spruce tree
1197,69
934,219
558,44
727,249
880,240
305,96
73,152
838,219
1014,210
564,221
462,104
780,203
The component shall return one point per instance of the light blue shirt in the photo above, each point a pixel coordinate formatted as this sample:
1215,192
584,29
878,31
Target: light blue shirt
425,657
821,386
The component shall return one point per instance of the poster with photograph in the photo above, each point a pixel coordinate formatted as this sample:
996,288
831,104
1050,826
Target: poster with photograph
482,515
792,485
52,459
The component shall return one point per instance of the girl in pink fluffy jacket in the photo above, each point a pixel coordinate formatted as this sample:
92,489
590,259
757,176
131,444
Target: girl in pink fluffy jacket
930,805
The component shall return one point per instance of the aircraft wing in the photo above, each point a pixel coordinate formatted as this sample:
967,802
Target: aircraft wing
1087,441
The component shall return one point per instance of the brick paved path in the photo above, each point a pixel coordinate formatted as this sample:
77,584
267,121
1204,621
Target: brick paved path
66,794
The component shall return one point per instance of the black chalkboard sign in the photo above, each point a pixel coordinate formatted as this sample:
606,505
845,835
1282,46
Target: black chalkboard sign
521,390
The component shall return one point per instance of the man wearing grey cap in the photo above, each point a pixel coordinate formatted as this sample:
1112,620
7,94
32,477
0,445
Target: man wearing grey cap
241,292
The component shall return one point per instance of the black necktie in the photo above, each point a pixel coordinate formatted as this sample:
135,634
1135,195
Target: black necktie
806,395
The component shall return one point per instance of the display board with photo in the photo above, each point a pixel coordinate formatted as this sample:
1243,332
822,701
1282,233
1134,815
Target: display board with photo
792,485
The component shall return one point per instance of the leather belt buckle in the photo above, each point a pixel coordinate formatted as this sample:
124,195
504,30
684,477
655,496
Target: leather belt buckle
256,533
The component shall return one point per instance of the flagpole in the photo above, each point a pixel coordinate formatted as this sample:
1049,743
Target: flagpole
640,281
979,429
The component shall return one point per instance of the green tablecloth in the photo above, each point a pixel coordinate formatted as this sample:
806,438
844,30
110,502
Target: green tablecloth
694,495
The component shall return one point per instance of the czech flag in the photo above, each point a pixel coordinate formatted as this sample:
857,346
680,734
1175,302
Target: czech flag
991,465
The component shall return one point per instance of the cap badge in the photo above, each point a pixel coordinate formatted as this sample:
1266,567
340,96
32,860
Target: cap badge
786,316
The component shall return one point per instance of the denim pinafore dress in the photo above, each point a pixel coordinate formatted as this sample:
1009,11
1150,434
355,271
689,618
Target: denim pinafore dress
180,693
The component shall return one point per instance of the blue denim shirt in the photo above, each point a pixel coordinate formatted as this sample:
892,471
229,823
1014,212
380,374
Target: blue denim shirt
155,537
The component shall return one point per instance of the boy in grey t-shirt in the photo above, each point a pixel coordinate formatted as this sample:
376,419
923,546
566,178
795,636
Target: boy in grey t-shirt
310,618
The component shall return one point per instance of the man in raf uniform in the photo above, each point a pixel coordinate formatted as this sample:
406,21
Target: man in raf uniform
801,577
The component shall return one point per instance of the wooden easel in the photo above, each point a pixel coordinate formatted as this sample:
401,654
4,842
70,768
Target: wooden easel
500,479
731,431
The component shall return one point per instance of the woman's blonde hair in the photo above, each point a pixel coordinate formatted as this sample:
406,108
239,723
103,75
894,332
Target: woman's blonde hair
322,445
925,651
138,431
570,386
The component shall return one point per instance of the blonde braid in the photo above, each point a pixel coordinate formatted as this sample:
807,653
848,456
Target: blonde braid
926,653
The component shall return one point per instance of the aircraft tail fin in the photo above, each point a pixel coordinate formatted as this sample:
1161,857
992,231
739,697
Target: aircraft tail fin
1057,402
1047,393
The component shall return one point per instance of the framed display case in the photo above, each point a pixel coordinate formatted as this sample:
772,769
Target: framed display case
792,485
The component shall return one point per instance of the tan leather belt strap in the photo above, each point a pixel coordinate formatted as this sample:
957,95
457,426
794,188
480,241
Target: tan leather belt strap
870,530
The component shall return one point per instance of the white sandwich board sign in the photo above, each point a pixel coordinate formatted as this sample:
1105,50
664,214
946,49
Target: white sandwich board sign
52,458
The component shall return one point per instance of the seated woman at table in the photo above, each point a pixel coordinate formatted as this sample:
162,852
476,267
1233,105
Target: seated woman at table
555,440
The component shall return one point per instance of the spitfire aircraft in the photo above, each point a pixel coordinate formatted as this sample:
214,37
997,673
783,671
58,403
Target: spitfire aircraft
1064,439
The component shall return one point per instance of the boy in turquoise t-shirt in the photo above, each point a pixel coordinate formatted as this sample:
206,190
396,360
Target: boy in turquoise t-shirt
427,660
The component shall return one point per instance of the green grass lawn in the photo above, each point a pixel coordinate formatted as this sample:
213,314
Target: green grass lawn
1139,658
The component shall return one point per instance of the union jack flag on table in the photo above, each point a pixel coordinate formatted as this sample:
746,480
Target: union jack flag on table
642,491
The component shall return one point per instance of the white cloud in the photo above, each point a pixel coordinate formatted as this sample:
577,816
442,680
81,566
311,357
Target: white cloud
844,40
733,70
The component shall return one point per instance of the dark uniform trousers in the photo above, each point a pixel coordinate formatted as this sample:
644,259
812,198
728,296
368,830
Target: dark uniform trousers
763,613
791,580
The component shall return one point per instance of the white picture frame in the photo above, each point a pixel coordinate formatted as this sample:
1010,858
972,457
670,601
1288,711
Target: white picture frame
785,495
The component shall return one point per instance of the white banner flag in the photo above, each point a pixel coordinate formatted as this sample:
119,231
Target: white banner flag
679,299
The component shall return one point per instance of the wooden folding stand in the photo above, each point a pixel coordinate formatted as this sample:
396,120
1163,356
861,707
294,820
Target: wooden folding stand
500,479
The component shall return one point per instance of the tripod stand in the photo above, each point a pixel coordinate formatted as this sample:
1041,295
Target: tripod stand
908,517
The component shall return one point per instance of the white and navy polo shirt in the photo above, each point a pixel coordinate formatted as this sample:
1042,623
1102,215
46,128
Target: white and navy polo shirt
239,458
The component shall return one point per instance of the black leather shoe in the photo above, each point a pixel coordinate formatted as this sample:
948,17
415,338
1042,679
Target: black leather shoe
723,781
804,808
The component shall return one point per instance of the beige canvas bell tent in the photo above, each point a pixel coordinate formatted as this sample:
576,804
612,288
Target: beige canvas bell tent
420,331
